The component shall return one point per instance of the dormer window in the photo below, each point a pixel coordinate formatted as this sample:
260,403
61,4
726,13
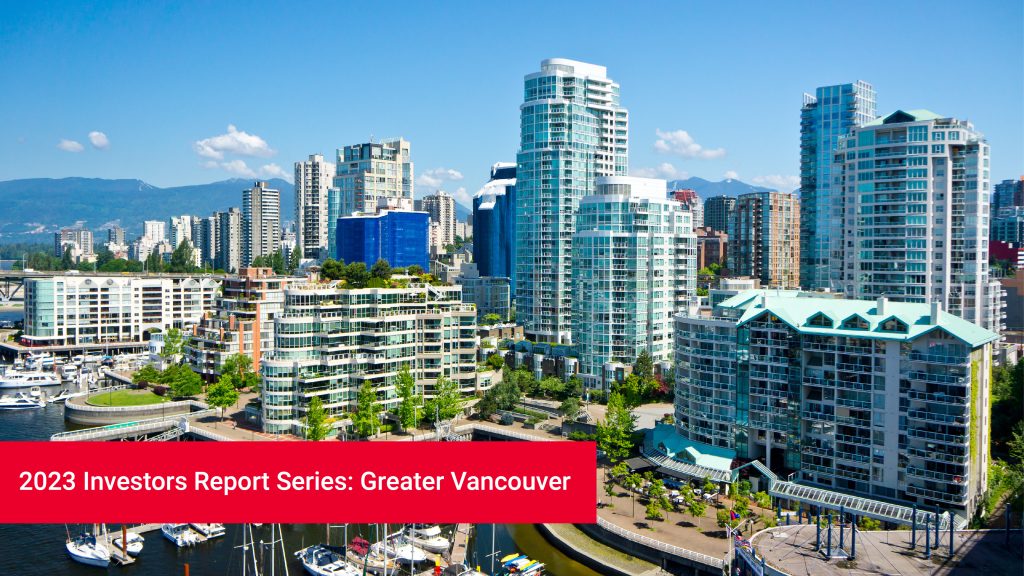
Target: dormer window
855,322
894,325
820,320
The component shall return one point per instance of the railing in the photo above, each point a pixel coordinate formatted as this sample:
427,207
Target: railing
193,404
661,546
130,428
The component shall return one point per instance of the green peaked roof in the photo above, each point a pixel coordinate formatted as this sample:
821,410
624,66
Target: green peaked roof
795,308
905,116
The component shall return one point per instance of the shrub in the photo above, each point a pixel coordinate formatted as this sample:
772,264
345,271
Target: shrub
160,390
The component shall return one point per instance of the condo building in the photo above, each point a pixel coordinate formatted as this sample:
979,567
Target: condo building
364,175
313,178
398,236
692,203
490,294
79,240
1008,194
494,224
878,398
72,310
441,208
912,199
825,117
717,211
241,321
764,238
261,222
573,130
634,267
330,340
229,240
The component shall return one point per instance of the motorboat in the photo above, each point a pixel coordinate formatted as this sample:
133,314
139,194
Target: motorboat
69,372
133,545
428,537
209,530
86,549
397,547
180,534
20,402
16,379
323,560
64,395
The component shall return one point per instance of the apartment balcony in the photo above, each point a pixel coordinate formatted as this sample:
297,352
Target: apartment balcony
941,496
927,416
957,440
933,454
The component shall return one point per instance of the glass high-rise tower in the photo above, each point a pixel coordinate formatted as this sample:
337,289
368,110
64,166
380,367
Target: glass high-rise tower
824,118
573,129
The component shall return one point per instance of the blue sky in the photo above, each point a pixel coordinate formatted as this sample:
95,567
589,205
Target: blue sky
162,81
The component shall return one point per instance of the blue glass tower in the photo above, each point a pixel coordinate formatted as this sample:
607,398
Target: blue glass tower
824,118
494,225
400,237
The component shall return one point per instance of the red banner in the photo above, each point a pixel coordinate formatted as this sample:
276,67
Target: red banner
298,482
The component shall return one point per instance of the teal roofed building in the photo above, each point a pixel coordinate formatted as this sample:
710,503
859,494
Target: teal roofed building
881,399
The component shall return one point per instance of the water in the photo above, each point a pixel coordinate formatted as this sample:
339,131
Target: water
12,315
38,549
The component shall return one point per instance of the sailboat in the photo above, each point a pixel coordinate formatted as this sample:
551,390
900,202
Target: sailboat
86,549
327,560
359,553
397,547
428,537
249,552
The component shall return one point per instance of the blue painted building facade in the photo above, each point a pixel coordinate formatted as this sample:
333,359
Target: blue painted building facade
400,237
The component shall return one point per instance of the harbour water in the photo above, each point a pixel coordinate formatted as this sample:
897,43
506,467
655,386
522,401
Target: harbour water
30,550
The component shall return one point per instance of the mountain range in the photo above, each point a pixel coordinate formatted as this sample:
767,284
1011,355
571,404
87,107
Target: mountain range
707,189
32,209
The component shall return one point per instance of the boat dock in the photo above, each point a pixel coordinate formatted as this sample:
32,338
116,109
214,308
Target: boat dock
119,557
460,544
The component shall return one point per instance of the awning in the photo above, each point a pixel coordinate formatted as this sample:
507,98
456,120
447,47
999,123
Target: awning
640,464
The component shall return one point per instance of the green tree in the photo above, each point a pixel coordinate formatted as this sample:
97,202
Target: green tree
173,341
653,511
643,368
631,390
332,269
742,506
405,386
221,394
551,387
1016,443
502,396
447,401
381,269
725,519
357,274
146,374
183,258
238,367
573,388
490,319
186,383
620,470
277,262
709,486
317,422
866,524
414,270
696,508
67,260
615,433
495,361
570,407
154,263
367,415
763,500
296,258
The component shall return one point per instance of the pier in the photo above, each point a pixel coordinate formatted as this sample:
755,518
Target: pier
460,544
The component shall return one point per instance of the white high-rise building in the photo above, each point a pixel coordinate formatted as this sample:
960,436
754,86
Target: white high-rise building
572,131
634,266
441,207
154,230
261,222
313,178
913,189
229,241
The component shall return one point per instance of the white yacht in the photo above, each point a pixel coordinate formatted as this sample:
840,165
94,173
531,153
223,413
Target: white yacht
133,545
180,534
323,560
87,550
15,379
397,547
209,530
20,402
427,537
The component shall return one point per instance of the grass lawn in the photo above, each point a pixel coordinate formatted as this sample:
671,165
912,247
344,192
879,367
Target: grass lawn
126,398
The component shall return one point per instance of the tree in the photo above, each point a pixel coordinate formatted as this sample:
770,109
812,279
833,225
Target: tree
502,396
414,270
238,367
146,374
725,519
551,387
865,523
620,470
332,269
277,262
1016,443
495,361
183,258
221,394
573,388
154,263
696,508
173,341
296,258
709,486
570,407
317,423
490,319
367,415
357,274
615,433
643,368
67,260
764,501
654,511
742,506
631,390
186,383
447,401
405,386
381,269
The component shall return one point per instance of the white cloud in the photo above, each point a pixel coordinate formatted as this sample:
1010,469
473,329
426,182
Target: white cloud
70,145
274,171
99,140
664,170
234,142
238,167
680,143
777,182
732,175
437,177
462,196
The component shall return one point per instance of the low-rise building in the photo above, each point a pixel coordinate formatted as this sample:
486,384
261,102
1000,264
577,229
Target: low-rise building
490,294
329,340
76,309
712,247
